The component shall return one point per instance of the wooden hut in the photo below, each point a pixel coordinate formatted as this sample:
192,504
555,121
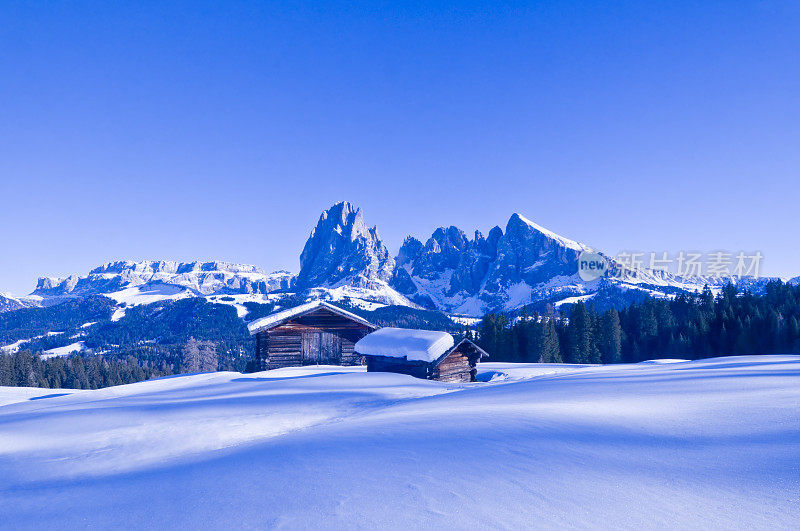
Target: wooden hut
421,353
316,333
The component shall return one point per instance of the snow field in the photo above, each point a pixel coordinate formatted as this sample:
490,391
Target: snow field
704,444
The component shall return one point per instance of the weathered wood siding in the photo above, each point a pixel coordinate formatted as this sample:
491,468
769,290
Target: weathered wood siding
459,365
318,337
455,367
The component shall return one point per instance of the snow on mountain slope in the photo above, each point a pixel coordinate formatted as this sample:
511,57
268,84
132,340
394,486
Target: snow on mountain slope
195,278
21,343
525,264
346,260
9,302
132,283
66,350
705,444
343,259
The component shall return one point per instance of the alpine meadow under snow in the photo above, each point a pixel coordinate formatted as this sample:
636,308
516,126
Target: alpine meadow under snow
712,443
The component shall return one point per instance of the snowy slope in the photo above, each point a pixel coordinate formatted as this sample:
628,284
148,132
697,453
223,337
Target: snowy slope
66,350
9,302
11,395
706,444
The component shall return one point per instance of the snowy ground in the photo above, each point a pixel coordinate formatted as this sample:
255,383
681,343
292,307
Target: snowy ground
706,444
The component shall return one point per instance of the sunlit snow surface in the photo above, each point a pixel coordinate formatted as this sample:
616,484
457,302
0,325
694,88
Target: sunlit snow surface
706,444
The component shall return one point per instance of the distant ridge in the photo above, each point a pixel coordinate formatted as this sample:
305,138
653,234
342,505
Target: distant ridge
344,259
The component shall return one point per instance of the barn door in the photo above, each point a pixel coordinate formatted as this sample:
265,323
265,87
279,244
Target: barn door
330,349
321,348
310,348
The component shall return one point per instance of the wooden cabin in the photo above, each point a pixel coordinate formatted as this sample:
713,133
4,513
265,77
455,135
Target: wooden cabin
421,353
316,333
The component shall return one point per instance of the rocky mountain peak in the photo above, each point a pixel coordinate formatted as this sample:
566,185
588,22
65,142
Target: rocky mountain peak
342,250
409,252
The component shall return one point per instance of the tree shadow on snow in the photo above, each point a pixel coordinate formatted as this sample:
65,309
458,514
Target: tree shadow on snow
54,395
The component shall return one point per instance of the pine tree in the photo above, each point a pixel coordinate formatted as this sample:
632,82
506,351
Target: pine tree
6,370
550,349
793,339
610,340
535,346
579,332
495,337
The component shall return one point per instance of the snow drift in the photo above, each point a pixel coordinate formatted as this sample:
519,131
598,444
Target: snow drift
704,444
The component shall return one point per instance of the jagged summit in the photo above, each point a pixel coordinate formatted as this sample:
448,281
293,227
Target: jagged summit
345,259
472,275
525,264
343,251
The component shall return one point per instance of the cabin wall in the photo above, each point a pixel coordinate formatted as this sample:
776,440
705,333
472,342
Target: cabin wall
283,345
456,367
386,364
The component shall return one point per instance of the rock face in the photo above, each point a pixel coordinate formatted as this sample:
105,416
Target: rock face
343,251
455,273
199,278
344,259
523,265
529,256
448,266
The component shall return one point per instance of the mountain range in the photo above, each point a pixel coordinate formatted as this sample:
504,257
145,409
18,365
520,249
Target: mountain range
345,260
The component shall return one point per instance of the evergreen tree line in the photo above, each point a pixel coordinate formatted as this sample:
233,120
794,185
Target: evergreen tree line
90,371
586,337
25,369
689,326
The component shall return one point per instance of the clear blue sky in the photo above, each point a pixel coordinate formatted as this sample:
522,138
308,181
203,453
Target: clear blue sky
221,130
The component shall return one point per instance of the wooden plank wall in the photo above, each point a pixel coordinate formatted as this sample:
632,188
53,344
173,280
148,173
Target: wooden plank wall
284,349
282,346
458,366
454,368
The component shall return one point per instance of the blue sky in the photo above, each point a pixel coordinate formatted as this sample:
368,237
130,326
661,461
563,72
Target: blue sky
221,130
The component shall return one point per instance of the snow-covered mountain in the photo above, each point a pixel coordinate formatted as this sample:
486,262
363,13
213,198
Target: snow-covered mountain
504,270
345,259
525,264
9,302
343,251
148,281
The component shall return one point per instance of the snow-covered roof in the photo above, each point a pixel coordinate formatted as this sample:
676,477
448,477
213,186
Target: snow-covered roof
417,345
278,318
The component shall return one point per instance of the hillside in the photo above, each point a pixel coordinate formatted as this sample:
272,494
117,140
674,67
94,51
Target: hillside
703,444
